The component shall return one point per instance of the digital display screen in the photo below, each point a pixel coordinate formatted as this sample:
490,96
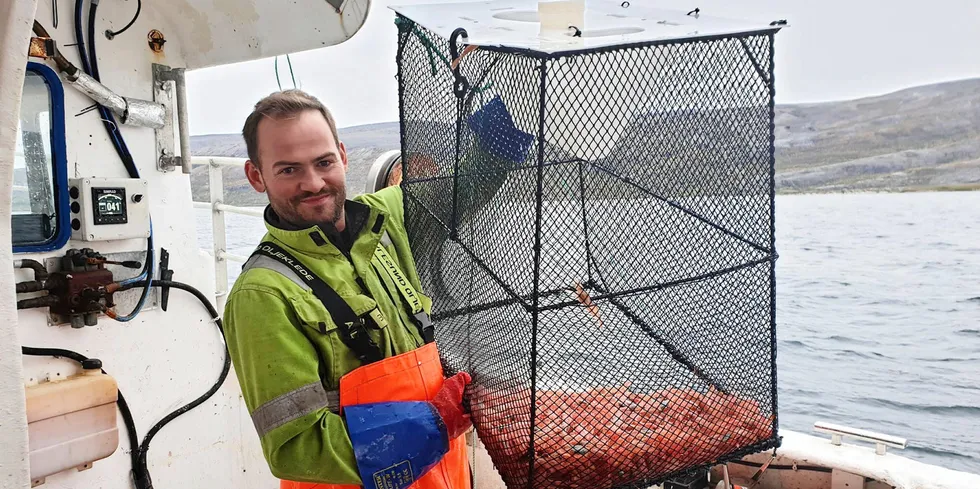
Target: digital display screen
109,205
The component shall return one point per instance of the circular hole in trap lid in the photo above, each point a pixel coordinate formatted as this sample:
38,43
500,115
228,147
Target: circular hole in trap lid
518,15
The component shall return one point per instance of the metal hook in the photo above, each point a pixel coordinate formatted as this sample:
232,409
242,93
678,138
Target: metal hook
461,85
453,38
625,5
578,32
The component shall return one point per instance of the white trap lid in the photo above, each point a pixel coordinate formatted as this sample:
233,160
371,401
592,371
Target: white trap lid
515,24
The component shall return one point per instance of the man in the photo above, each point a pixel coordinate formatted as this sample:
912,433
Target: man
327,320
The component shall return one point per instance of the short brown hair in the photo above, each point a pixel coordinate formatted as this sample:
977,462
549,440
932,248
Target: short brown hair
281,104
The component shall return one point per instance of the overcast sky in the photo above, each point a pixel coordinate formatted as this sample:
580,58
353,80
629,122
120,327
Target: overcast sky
832,50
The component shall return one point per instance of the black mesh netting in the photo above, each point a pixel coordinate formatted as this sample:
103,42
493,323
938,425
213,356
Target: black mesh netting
596,232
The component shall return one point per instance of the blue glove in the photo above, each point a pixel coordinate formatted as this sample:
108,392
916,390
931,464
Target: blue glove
396,443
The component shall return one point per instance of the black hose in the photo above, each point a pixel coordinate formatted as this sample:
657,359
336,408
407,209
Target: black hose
141,473
90,44
108,120
33,286
141,469
79,38
120,400
92,67
110,34
40,273
43,301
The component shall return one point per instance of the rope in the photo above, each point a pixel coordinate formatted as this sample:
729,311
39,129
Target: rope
432,50
293,77
430,47
277,74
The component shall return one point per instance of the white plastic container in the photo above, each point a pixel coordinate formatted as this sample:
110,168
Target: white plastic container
555,16
71,423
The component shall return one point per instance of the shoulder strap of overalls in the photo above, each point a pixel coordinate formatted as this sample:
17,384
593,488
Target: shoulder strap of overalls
383,262
352,327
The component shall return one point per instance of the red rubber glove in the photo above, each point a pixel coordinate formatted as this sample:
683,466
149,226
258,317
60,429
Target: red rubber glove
449,403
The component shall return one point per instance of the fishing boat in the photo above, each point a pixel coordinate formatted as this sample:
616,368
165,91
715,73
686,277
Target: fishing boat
113,371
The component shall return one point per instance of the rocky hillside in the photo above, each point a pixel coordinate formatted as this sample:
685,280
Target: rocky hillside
924,138
364,145
917,139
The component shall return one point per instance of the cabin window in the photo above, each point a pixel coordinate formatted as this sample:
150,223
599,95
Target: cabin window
39,219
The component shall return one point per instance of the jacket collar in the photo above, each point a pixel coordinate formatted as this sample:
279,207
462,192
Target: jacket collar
363,221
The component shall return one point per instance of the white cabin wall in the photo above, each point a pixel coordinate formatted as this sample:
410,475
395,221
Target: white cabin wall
15,31
162,360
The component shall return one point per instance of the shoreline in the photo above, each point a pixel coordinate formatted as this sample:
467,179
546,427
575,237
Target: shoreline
939,190
964,187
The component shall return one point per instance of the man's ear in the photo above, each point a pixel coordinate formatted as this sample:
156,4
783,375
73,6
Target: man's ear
343,153
254,176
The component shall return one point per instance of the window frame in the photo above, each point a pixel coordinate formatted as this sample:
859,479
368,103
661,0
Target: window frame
59,164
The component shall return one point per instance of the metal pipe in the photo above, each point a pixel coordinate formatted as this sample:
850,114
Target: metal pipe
134,112
143,113
245,211
98,92
216,188
183,125
219,161
233,257
880,440
40,273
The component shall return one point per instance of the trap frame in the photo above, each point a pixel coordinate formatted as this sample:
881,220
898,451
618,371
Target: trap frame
593,217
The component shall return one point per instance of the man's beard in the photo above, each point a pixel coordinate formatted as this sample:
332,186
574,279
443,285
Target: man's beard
325,214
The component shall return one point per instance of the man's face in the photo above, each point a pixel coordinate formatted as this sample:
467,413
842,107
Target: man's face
302,169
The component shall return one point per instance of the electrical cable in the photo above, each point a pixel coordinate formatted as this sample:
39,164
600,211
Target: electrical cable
111,34
146,277
90,64
141,473
108,120
141,467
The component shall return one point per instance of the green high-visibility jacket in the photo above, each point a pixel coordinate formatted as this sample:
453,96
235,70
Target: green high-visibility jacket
287,351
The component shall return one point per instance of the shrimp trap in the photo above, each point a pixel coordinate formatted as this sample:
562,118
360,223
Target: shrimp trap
590,202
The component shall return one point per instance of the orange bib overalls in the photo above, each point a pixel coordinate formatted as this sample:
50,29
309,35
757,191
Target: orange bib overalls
412,376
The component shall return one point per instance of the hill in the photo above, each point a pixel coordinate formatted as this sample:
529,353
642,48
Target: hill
922,138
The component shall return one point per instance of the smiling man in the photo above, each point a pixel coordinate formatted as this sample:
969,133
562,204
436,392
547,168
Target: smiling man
328,327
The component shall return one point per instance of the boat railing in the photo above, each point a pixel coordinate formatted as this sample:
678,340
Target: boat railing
216,191
376,177
837,432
